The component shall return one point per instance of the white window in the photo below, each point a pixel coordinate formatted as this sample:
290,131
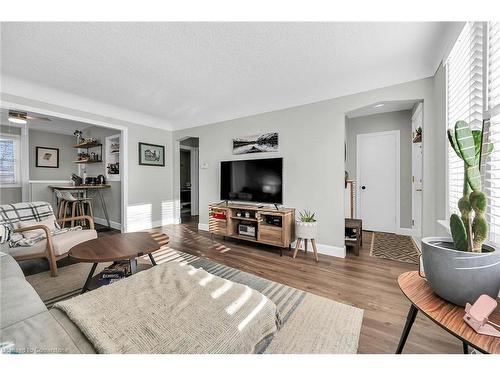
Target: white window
10,160
473,94
492,169
464,71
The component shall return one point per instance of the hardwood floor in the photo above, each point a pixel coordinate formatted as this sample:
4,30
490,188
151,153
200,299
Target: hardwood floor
365,282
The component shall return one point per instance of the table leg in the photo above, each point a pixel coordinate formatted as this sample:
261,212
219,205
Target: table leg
465,347
133,265
104,208
153,262
89,278
412,314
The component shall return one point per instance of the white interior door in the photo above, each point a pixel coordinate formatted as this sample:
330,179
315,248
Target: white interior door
378,180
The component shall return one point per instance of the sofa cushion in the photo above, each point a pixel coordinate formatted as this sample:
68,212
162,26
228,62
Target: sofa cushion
18,301
9,267
62,243
40,333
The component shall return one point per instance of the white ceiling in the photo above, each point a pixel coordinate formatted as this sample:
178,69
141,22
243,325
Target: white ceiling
382,107
189,74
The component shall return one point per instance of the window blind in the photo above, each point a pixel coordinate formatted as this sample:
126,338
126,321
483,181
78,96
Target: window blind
492,168
464,68
9,159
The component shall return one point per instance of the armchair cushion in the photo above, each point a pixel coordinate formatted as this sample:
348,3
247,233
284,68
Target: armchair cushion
62,243
32,234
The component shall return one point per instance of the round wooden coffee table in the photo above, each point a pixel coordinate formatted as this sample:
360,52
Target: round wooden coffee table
117,247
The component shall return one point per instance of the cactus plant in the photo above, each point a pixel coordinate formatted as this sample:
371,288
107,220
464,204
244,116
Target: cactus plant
470,229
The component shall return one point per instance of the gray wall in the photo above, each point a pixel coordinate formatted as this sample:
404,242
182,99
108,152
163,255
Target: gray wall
112,196
149,201
10,194
66,155
401,121
312,145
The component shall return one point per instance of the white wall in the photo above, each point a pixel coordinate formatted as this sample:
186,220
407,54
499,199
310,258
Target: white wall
311,141
401,121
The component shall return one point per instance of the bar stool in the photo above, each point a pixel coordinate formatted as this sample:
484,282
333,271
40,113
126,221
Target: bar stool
78,206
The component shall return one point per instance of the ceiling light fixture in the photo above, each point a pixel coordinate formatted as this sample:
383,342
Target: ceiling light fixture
378,105
17,118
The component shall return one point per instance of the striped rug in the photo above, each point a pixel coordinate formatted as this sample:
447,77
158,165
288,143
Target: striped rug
311,324
394,247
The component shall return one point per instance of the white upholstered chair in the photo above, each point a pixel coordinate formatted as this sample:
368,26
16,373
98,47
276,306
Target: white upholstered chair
33,226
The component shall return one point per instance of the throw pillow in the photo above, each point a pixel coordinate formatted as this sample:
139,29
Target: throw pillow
31,234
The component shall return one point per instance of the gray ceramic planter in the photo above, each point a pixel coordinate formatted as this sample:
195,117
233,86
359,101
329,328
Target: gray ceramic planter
460,277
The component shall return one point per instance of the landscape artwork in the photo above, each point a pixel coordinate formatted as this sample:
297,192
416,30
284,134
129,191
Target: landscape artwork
267,142
150,154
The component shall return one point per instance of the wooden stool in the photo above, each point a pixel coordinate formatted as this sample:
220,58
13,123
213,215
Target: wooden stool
297,247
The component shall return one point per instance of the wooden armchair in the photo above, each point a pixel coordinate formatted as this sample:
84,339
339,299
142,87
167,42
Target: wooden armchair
53,247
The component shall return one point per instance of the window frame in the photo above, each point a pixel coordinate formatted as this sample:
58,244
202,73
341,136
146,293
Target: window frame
488,112
17,156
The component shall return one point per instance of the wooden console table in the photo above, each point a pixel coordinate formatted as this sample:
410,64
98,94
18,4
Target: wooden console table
444,314
224,220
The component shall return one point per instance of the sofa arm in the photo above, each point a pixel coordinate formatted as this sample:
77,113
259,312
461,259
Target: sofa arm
83,217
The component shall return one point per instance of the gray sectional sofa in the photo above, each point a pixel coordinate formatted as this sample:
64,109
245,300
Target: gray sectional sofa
26,326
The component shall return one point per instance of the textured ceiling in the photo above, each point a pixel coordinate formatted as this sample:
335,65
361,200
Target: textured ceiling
189,74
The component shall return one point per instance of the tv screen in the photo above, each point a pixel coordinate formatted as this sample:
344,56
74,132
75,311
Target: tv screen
257,180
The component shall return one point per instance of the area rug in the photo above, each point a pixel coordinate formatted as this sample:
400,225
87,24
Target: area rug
394,247
310,323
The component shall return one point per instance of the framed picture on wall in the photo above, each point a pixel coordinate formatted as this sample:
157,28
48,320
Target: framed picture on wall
150,154
47,157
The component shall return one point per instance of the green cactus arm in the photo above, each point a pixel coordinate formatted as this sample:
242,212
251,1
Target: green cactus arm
458,233
465,141
473,178
453,142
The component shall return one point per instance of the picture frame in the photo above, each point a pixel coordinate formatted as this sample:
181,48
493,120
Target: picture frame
151,154
47,157
264,142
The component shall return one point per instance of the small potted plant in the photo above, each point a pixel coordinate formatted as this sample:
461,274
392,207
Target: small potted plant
306,226
461,268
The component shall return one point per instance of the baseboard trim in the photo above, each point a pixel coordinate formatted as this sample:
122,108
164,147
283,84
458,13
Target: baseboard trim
202,226
114,224
408,232
335,251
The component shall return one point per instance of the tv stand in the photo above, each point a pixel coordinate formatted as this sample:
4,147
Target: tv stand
275,227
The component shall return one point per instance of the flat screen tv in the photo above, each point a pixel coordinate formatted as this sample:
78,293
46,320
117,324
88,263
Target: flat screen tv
256,180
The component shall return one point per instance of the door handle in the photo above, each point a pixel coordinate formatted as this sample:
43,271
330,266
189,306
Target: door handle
363,187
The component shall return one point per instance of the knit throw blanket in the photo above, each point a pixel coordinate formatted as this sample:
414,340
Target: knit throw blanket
174,308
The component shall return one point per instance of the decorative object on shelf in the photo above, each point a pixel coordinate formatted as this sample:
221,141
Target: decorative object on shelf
101,180
78,136
47,157
238,214
150,154
461,268
83,156
418,135
247,214
267,142
114,168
